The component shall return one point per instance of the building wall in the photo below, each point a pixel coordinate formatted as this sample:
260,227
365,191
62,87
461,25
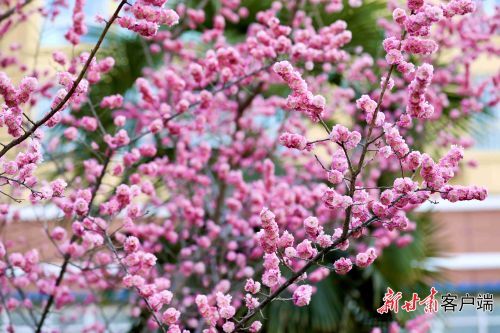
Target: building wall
470,242
472,231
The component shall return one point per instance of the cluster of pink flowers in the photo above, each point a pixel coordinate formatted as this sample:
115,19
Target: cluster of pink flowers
334,6
301,99
341,135
417,105
302,295
458,7
78,28
323,46
417,45
111,102
463,193
12,114
272,274
365,259
419,23
395,141
269,234
342,266
369,106
292,140
148,16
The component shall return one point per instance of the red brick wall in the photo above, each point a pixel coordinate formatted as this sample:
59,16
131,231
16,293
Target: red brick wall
470,232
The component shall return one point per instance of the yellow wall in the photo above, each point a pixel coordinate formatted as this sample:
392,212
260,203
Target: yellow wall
27,34
487,173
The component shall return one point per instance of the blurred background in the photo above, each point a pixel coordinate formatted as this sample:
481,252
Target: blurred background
457,247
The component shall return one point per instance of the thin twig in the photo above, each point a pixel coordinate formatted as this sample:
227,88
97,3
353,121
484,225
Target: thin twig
125,269
99,123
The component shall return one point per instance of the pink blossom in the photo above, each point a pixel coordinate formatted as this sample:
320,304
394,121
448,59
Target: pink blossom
112,102
417,105
252,286
301,99
255,327
228,327
342,266
268,236
166,183
311,225
170,316
305,249
58,233
302,295
71,133
291,140
364,259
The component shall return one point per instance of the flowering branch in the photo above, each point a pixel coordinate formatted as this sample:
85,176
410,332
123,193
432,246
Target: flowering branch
9,12
67,256
71,91
110,245
319,257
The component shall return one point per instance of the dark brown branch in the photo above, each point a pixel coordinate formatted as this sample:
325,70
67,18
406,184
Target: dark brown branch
9,12
11,197
67,256
345,232
309,264
243,105
299,273
355,173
